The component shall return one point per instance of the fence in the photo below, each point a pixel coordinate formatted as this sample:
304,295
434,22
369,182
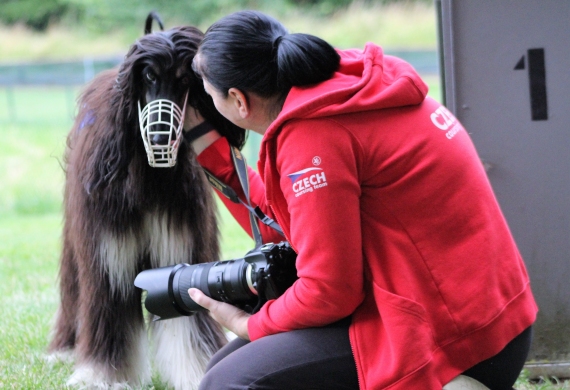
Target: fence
61,73
45,91
65,73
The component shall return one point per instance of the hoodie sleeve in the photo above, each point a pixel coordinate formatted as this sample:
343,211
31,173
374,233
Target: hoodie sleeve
318,163
217,159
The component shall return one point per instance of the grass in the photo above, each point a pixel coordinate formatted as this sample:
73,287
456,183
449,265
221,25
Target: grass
32,176
28,263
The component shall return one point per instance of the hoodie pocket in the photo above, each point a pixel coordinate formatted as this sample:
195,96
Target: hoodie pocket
405,340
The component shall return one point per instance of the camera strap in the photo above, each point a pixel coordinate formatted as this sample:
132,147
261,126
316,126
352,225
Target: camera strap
254,212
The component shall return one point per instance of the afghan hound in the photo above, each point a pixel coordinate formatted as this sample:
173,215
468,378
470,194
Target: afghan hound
122,216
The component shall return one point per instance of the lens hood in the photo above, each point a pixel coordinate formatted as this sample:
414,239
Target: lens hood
160,299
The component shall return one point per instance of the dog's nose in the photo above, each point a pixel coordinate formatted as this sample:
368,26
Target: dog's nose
161,139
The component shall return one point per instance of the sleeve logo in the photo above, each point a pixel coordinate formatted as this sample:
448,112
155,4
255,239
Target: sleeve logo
307,180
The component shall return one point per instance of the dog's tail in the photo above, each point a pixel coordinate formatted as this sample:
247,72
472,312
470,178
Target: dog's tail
152,16
183,346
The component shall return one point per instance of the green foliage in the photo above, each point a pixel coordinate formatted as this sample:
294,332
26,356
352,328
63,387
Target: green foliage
329,7
322,7
105,15
393,26
36,14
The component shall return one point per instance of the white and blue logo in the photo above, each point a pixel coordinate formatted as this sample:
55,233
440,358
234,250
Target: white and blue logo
307,180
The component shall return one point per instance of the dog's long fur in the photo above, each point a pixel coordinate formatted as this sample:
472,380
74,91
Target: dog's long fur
123,216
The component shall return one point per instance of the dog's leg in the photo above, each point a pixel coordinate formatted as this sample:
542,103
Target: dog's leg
112,340
182,348
64,332
112,344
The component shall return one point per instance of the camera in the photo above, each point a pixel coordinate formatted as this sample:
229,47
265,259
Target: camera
247,283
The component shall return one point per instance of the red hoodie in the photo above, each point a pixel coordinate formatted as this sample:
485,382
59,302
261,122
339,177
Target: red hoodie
380,191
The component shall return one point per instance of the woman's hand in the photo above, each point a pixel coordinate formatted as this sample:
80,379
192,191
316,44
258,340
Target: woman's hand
225,314
193,118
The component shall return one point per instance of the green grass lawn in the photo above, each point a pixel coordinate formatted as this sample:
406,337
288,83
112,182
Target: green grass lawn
31,182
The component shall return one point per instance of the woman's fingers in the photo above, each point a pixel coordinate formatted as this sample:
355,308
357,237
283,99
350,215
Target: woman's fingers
225,314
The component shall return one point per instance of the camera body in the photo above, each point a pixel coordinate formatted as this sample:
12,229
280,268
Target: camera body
262,274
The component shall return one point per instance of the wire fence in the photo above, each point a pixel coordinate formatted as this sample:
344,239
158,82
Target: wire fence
45,91
59,73
63,73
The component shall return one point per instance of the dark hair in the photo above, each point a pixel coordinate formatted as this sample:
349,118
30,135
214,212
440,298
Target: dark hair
253,52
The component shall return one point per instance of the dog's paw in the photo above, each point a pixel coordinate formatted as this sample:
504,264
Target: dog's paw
91,378
62,356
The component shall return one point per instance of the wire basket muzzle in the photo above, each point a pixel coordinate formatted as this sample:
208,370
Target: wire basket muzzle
161,122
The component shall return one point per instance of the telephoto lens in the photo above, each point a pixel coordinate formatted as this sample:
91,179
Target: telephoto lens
262,274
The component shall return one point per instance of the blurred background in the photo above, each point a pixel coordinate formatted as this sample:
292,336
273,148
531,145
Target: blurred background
48,50
64,43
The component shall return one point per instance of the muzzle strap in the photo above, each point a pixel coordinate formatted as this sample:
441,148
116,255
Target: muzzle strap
197,131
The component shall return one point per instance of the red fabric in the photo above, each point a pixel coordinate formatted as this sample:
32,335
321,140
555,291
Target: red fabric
381,193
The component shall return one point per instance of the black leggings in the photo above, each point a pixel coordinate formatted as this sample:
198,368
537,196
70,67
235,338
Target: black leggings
501,371
321,358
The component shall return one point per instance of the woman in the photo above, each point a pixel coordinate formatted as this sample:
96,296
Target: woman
408,274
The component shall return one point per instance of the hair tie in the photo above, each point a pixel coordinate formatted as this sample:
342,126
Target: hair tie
276,42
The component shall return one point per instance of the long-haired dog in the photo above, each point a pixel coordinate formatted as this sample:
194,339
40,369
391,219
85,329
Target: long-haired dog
123,216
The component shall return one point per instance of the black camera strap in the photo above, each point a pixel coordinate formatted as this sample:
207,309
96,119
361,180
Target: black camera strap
254,212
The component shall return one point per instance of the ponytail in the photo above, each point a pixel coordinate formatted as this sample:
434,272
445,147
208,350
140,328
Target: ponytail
304,59
253,52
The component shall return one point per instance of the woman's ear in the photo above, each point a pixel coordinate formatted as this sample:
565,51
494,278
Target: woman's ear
240,101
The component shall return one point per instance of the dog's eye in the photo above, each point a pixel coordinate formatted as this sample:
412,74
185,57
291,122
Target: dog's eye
185,80
150,77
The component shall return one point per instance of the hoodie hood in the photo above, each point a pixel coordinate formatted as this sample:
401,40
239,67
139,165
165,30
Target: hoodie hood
366,80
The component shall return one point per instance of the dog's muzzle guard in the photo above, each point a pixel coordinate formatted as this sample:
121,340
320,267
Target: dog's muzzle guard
161,122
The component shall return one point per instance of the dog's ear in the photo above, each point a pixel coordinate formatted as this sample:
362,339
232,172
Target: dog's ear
187,39
108,163
112,155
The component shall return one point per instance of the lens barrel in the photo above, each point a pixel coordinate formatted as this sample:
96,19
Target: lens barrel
167,287
224,281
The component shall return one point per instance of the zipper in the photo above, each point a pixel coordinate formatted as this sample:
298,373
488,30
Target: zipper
354,357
